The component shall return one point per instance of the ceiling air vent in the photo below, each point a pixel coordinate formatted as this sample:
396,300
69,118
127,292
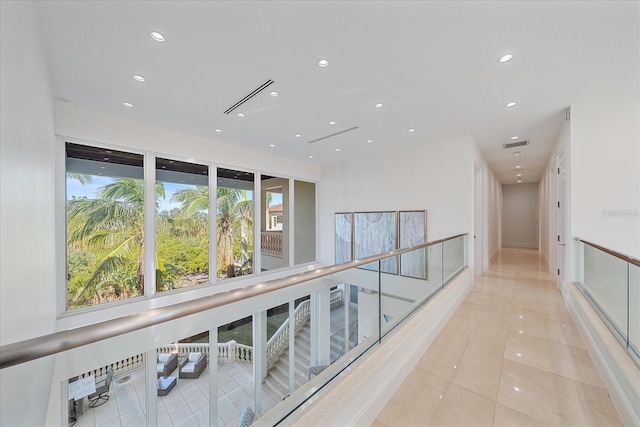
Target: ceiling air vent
333,134
516,144
253,93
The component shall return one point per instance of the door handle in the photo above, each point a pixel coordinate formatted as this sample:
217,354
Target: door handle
562,244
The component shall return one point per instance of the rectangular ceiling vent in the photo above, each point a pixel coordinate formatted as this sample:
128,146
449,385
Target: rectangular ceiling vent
516,144
332,135
253,93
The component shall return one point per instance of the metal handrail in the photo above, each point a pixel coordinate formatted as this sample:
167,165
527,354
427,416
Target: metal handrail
627,258
46,345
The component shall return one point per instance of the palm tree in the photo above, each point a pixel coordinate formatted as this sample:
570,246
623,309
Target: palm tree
235,216
114,220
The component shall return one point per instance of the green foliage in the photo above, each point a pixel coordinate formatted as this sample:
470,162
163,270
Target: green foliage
105,243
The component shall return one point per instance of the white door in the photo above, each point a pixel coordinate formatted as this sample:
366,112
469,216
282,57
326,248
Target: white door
477,228
561,216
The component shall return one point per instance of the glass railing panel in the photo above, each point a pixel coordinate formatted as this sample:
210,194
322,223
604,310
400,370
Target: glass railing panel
235,370
634,309
364,301
302,354
274,384
109,395
605,281
334,318
435,267
182,369
453,256
343,321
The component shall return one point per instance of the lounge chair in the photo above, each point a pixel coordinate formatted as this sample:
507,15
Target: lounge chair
194,366
101,394
166,364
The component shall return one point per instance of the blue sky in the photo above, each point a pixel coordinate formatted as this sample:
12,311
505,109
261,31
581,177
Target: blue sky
75,188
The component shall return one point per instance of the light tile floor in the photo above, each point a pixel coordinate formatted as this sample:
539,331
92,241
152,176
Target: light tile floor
186,405
509,356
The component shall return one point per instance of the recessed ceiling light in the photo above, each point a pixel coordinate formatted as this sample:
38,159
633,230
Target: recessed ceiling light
272,145
240,114
518,166
517,153
369,141
157,36
310,156
379,105
505,58
519,181
138,77
105,158
274,93
332,123
298,135
518,175
219,130
128,104
515,137
103,167
323,63
510,104
411,130
337,149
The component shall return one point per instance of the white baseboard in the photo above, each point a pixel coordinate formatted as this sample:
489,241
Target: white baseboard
619,373
383,370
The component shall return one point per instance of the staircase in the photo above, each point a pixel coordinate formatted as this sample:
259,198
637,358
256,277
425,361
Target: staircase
276,384
277,381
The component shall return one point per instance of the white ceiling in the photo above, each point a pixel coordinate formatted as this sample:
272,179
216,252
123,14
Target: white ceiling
432,64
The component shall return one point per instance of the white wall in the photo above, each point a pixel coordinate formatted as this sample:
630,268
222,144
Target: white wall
491,209
543,215
27,274
605,171
304,222
520,215
494,217
549,182
91,125
437,177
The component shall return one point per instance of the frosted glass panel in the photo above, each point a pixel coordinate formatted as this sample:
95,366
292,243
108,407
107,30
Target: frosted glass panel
375,233
413,231
605,279
343,237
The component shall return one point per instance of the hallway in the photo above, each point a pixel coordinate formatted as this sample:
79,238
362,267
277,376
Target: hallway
509,356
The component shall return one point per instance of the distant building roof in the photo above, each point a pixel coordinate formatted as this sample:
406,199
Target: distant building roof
275,208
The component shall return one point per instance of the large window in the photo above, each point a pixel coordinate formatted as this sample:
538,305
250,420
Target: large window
274,223
105,223
234,206
182,224
107,253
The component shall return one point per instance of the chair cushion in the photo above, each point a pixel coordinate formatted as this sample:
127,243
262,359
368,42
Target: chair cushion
164,357
193,357
189,367
160,367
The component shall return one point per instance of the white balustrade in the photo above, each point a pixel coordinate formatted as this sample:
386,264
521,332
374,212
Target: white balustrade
271,243
231,351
